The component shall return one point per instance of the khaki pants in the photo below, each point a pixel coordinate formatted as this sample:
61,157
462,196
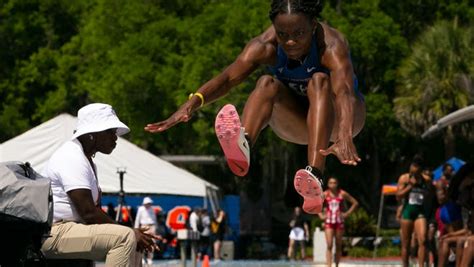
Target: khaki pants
113,243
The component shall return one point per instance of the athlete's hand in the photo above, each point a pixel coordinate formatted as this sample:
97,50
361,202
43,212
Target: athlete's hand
443,237
322,216
183,114
344,149
398,215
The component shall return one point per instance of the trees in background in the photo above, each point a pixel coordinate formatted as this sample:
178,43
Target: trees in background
437,78
31,33
145,57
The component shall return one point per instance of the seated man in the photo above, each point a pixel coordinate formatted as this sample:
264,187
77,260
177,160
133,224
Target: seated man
81,230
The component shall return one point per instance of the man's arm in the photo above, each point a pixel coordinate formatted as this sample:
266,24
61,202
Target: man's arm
84,204
193,221
138,217
220,218
85,207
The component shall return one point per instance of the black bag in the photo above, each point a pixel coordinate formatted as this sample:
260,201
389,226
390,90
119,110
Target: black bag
26,213
200,225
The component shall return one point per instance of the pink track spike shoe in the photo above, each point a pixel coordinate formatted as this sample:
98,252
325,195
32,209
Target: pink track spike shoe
310,188
232,139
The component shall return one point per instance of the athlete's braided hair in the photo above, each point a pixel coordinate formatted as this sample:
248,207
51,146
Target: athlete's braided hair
310,8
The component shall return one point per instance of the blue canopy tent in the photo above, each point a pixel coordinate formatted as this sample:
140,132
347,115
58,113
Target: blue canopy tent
455,162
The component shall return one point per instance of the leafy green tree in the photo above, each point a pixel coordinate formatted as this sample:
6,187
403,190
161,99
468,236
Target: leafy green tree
436,79
375,39
30,33
416,16
377,47
145,57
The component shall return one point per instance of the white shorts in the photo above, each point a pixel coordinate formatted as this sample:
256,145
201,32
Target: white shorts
297,233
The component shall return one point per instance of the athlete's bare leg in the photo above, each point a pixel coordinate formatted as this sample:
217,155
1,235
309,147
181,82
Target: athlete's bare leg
460,243
217,249
339,234
432,245
329,242
413,246
302,249
468,254
320,119
323,119
421,231
272,103
445,247
406,233
291,248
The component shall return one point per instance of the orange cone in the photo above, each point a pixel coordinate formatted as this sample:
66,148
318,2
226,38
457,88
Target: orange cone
205,262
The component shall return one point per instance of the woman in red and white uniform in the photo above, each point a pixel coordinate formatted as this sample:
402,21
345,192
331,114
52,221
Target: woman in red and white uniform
334,216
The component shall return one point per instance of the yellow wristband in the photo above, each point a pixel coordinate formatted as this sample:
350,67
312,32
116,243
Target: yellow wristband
200,97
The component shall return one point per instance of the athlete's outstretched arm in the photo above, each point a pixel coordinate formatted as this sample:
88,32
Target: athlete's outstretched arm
256,52
337,59
352,200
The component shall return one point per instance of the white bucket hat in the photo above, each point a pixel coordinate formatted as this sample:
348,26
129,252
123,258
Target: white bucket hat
147,200
98,117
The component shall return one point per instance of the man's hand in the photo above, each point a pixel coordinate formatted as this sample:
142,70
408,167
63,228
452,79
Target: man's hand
183,114
146,241
344,149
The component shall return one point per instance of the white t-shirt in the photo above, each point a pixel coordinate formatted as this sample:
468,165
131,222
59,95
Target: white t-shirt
206,224
69,169
145,217
193,220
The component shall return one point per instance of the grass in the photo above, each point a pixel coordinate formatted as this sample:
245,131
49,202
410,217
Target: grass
383,251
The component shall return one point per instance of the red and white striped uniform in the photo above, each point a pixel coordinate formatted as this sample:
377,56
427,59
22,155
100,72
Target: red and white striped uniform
334,209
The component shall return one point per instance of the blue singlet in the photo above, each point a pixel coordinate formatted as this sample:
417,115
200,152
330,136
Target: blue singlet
297,78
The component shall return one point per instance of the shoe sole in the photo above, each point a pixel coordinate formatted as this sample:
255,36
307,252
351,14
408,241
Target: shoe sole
227,126
310,190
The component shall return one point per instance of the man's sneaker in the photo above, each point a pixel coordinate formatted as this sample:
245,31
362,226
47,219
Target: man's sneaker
310,188
232,139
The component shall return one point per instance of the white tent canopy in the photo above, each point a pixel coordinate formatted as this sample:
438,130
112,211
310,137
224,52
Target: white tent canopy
145,172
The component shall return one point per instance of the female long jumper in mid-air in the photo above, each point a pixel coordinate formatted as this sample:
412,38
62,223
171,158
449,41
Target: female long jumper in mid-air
311,96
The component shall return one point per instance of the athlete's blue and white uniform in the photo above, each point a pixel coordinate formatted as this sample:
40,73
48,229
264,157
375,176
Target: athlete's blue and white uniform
297,78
